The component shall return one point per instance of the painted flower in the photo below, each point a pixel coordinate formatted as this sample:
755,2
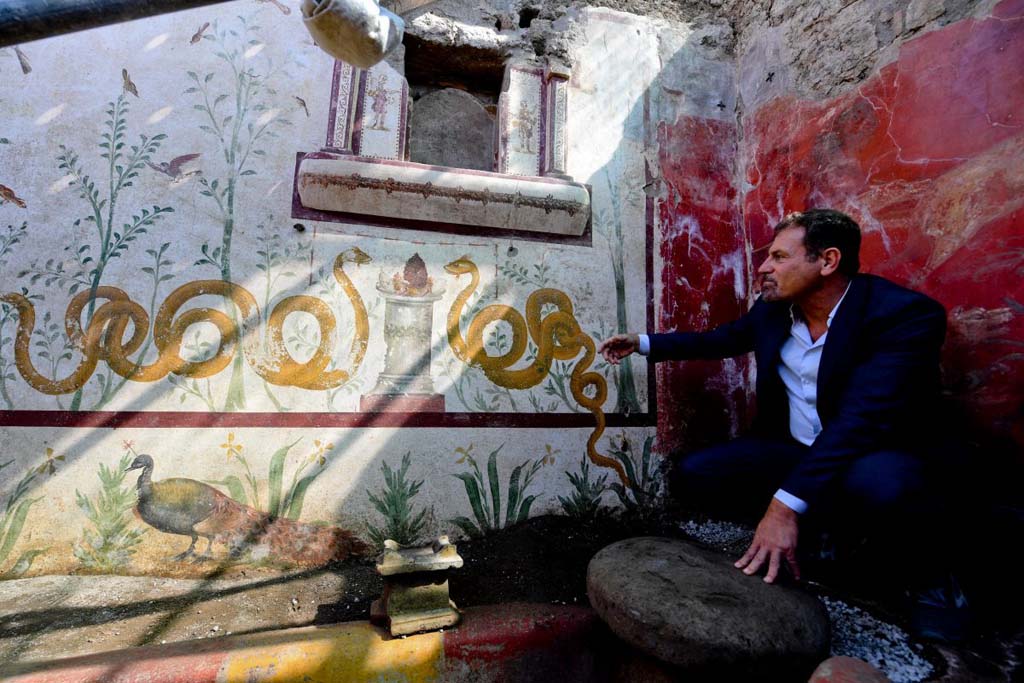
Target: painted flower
465,454
231,447
50,464
320,449
549,455
622,443
128,445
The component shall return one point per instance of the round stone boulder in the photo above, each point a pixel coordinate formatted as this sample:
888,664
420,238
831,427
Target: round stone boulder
690,607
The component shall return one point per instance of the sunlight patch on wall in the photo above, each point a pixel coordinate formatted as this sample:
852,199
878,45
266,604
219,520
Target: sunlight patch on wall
159,114
50,114
254,50
156,42
61,185
267,117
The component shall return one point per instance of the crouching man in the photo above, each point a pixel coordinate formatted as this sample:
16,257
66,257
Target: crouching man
847,392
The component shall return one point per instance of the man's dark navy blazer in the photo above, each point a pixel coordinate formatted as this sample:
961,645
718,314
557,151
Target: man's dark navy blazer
878,381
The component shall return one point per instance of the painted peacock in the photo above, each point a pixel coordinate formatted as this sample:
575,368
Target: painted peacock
191,508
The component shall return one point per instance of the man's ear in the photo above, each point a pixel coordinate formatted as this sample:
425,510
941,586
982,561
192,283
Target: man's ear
830,258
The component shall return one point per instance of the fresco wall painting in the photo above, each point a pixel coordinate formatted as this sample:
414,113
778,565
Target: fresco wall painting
215,383
282,377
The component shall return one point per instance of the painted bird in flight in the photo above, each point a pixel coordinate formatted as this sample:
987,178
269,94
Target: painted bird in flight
175,168
198,35
128,85
7,195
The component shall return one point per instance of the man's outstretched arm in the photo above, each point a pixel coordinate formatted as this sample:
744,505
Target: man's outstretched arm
618,346
730,339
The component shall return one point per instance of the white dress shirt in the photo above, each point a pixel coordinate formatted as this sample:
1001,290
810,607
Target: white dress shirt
798,369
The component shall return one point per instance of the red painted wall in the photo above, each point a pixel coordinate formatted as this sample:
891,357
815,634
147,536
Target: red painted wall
928,155
704,279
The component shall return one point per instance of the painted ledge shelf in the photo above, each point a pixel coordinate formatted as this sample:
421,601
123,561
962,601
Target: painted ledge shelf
407,190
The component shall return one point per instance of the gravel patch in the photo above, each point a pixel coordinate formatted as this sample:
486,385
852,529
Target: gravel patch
855,633
723,536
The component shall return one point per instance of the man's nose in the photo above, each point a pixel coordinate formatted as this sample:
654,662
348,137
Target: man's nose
765,267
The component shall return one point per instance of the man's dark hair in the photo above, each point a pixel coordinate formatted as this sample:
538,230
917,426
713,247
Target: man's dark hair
825,229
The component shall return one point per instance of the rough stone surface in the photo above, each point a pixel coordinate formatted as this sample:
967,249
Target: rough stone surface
822,47
690,607
847,670
451,128
546,28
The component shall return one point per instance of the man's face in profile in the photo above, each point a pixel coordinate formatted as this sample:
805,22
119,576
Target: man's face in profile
787,273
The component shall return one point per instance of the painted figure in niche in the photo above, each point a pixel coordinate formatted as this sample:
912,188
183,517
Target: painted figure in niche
187,507
381,97
845,419
525,122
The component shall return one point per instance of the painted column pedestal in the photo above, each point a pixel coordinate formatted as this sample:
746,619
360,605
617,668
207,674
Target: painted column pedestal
405,383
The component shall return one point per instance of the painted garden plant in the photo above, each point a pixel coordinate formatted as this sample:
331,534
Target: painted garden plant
234,100
584,503
274,498
14,515
402,523
112,540
485,493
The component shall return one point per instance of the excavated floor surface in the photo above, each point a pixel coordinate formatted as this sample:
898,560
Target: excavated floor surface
543,560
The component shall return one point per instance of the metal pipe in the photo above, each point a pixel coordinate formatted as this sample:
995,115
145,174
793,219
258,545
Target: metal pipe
25,20
22,21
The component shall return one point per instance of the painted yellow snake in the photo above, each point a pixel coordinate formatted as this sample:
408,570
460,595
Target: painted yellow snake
557,336
103,338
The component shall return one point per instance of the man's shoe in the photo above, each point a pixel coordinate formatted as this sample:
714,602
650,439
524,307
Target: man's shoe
940,612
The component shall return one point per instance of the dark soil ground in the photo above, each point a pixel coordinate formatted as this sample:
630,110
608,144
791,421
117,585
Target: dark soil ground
541,560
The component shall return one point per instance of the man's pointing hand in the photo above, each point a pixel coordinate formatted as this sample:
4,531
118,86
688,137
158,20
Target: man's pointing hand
615,348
